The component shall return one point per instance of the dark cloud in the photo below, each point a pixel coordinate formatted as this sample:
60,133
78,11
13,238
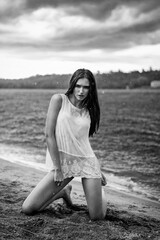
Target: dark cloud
145,27
92,8
83,38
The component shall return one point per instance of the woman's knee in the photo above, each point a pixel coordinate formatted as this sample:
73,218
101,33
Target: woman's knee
95,214
93,193
28,209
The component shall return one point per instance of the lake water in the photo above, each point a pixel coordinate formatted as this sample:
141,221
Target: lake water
127,144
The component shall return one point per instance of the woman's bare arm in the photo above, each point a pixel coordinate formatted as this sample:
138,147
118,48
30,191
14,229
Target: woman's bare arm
53,111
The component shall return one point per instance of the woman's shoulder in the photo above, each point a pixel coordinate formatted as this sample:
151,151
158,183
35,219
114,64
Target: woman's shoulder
56,99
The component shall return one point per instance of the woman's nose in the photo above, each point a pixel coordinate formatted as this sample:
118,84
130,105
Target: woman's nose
81,90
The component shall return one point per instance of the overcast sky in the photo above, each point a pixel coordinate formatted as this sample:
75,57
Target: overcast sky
59,36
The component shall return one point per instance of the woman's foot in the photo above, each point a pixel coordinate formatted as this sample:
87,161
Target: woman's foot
67,195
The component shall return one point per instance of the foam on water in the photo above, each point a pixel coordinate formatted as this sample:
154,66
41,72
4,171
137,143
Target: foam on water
22,156
126,184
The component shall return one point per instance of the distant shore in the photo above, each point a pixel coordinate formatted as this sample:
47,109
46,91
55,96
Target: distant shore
111,80
128,217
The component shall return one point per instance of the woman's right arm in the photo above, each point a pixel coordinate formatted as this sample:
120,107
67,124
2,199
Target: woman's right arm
53,111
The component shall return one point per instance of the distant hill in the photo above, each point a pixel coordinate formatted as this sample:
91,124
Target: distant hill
111,80
38,81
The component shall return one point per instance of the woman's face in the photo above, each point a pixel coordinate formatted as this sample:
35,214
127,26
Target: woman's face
81,89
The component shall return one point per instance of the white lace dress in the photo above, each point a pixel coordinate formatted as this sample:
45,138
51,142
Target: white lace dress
76,155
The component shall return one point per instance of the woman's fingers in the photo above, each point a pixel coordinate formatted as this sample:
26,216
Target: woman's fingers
58,178
103,180
58,183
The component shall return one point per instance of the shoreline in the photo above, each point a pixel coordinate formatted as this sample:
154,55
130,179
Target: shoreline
77,180
112,185
128,217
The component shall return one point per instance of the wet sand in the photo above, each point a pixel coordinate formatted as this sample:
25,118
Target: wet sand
129,217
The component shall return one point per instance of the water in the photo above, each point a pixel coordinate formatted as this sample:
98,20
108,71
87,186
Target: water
127,144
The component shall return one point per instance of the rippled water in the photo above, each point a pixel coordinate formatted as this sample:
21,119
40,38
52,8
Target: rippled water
127,144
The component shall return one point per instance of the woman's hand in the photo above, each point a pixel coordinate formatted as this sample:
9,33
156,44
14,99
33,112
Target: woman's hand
103,179
58,177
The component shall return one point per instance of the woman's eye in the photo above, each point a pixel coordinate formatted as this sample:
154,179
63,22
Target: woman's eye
86,87
79,86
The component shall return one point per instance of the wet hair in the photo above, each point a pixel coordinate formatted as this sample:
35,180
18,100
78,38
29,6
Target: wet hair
91,101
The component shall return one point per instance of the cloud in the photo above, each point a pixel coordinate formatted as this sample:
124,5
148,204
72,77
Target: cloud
92,8
78,29
62,31
81,24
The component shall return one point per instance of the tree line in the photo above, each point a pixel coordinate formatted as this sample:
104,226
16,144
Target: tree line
111,80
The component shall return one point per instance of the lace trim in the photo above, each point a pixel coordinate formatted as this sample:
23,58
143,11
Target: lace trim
79,166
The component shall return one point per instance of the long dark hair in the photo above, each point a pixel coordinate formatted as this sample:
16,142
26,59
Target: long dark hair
91,101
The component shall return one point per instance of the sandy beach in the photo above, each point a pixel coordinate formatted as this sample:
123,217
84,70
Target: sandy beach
128,217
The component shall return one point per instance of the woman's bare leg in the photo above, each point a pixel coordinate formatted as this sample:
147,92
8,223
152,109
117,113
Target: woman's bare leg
43,194
104,203
95,198
64,193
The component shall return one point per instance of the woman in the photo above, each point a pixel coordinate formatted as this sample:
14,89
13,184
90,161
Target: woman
71,119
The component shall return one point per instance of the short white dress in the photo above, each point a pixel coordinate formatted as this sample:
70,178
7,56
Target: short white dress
76,155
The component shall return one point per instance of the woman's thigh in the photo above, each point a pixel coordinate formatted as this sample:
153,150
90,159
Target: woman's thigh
45,189
93,192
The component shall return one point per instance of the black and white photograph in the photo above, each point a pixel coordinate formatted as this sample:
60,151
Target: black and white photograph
79,120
